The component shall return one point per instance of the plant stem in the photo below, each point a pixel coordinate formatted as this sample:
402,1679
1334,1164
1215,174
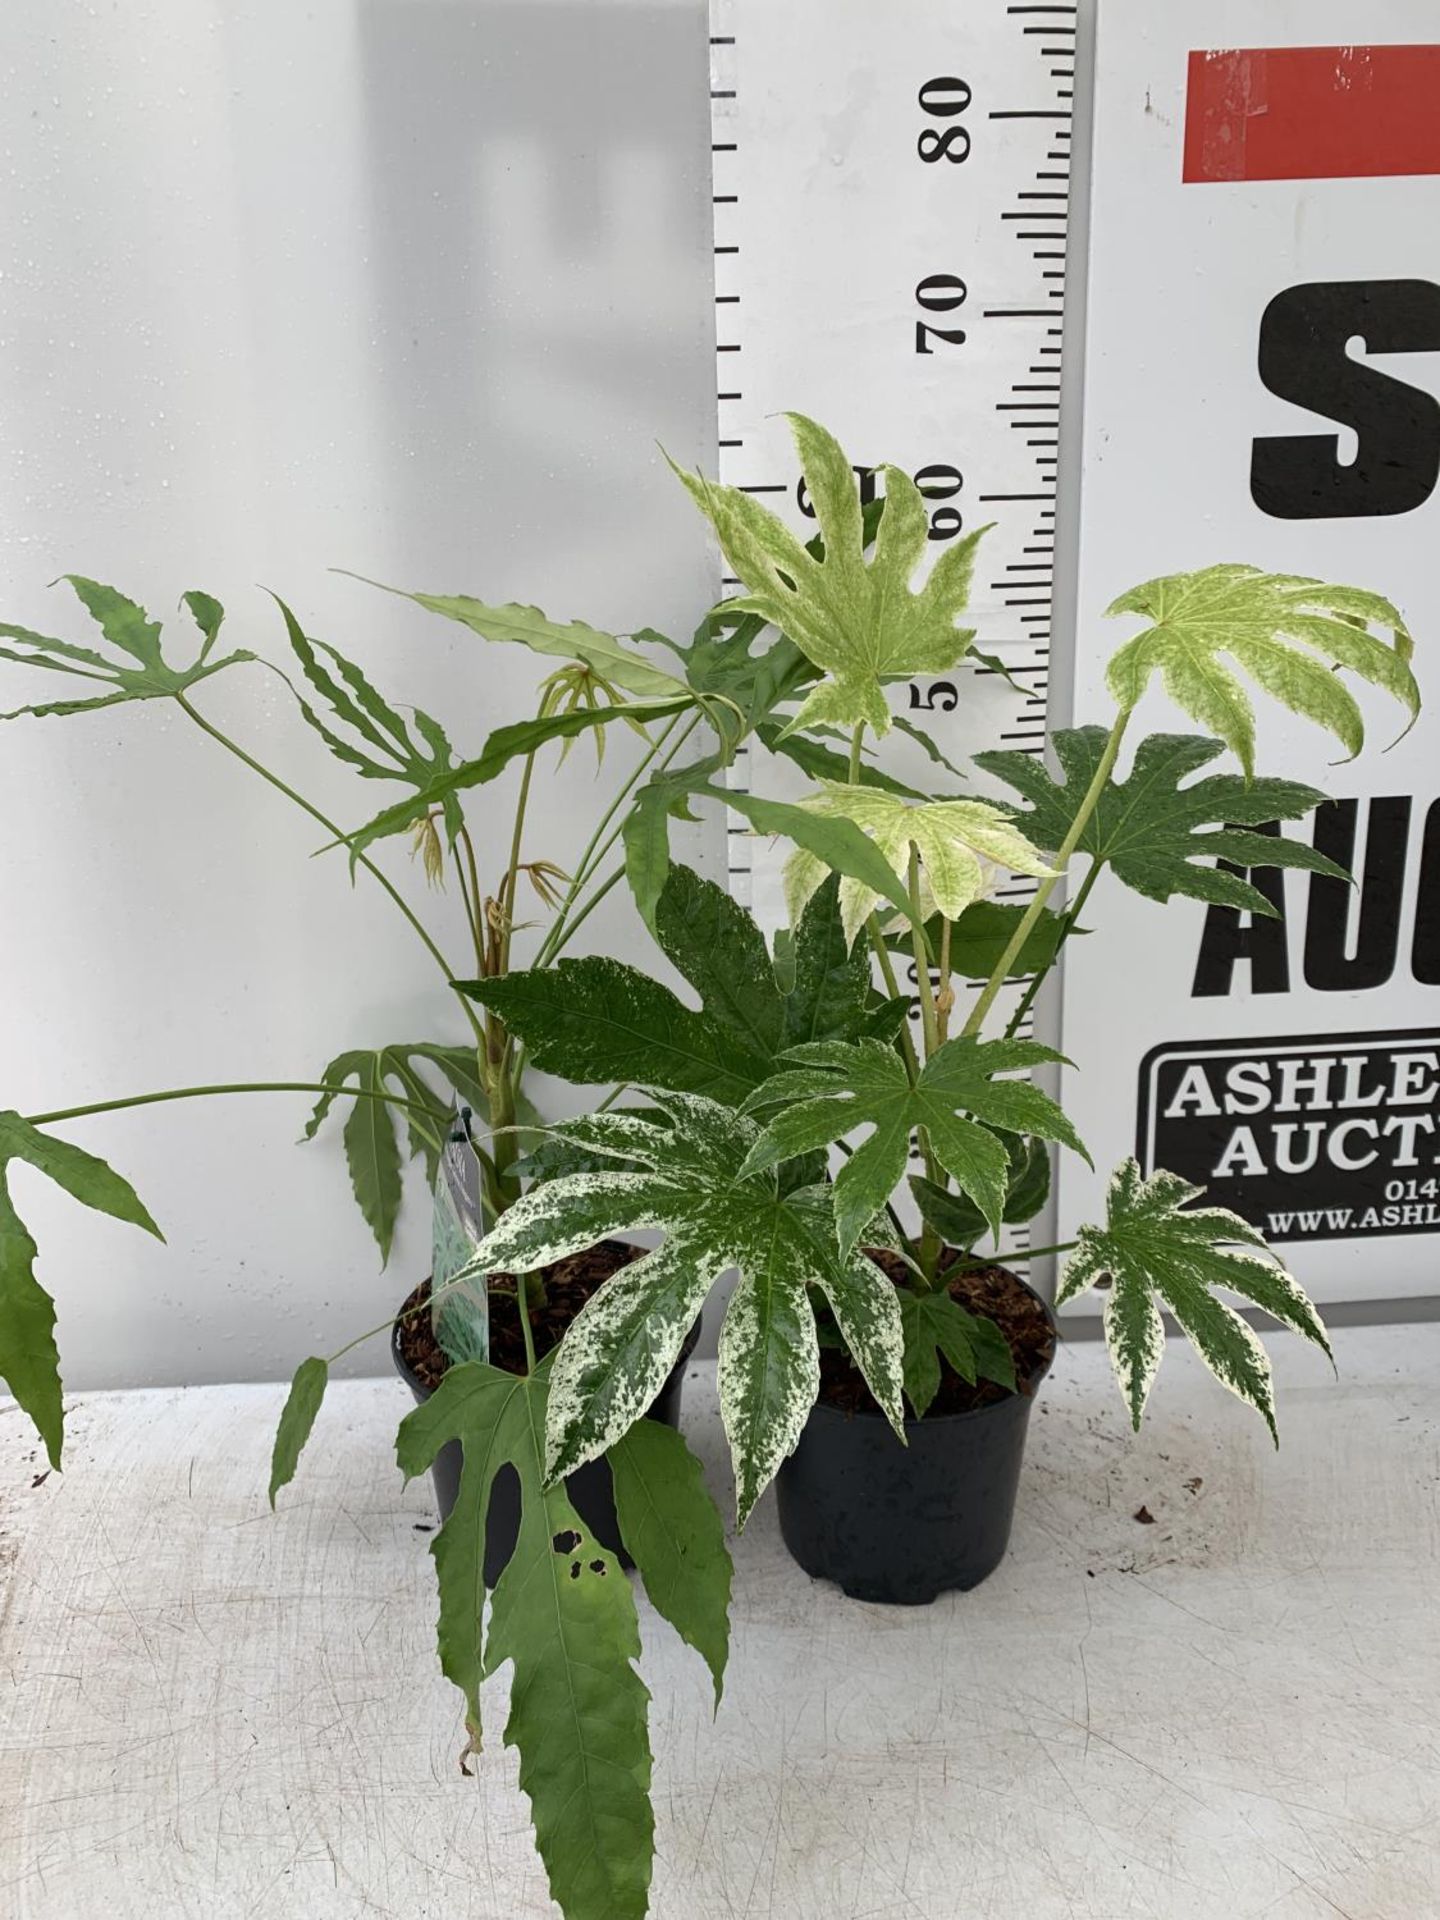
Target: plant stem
1009,1256
594,853
274,780
1067,927
892,987
928,1022
512,871
522,1301
856,741
199,1093
470,894
1062,859
945,999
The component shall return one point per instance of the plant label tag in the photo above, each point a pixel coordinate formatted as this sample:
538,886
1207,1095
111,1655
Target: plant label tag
460,1314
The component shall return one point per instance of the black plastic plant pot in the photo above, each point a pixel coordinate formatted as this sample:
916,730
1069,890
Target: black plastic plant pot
590,1488
902,1525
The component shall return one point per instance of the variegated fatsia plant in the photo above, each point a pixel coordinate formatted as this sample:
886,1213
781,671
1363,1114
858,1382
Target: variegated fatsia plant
771,1124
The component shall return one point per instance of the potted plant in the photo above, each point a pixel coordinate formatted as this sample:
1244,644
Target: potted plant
921,1354
462,1103
720,1118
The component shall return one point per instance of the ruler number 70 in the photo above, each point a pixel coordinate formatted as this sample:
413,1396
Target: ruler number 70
942,292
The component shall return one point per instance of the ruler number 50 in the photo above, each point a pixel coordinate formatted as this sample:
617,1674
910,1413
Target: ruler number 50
944,99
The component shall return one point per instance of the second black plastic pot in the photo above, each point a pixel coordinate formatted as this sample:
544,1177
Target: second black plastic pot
904,1524
590,1488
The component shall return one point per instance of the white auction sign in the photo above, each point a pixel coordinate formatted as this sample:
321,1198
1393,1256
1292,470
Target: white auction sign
1263,356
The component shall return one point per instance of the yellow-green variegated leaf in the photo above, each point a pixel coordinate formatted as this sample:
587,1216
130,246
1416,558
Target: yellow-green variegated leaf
1288,635
965,846
687,1179
1158,1250
858,618
563,1616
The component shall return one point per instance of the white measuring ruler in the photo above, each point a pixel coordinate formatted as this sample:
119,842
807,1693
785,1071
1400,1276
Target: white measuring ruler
891,190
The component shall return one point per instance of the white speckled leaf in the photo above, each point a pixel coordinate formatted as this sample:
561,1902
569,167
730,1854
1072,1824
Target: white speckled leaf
1158,1250
620,1346
769,1369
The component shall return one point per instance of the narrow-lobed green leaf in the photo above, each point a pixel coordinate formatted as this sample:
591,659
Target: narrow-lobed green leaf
29,1358
563,1616
674,1534
141,672
86,1179
529,627
372,1155
503,746
297,1420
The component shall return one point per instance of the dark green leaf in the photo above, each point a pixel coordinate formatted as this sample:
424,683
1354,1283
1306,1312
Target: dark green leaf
29,1360
676,1538
832,1088
596,1020
563,1615
935,1325
719,949
960,1222
982,933
1158,835
297,1419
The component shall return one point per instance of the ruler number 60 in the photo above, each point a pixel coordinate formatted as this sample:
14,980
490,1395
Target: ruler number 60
944,98
940,293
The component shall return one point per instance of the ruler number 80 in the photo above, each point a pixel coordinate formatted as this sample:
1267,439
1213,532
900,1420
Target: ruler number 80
944,98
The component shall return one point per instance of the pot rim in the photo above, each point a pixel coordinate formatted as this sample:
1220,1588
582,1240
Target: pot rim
1025,1390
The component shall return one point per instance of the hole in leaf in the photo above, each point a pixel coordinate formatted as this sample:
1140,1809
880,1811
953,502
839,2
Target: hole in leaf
598,1566
567,1541
574,1569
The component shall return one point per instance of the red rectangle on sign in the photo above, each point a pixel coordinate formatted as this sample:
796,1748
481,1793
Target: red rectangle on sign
1312,113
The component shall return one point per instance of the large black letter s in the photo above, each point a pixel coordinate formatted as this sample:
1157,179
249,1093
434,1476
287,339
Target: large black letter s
1303,335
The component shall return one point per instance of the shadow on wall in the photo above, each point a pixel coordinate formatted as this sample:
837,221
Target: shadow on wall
539,262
